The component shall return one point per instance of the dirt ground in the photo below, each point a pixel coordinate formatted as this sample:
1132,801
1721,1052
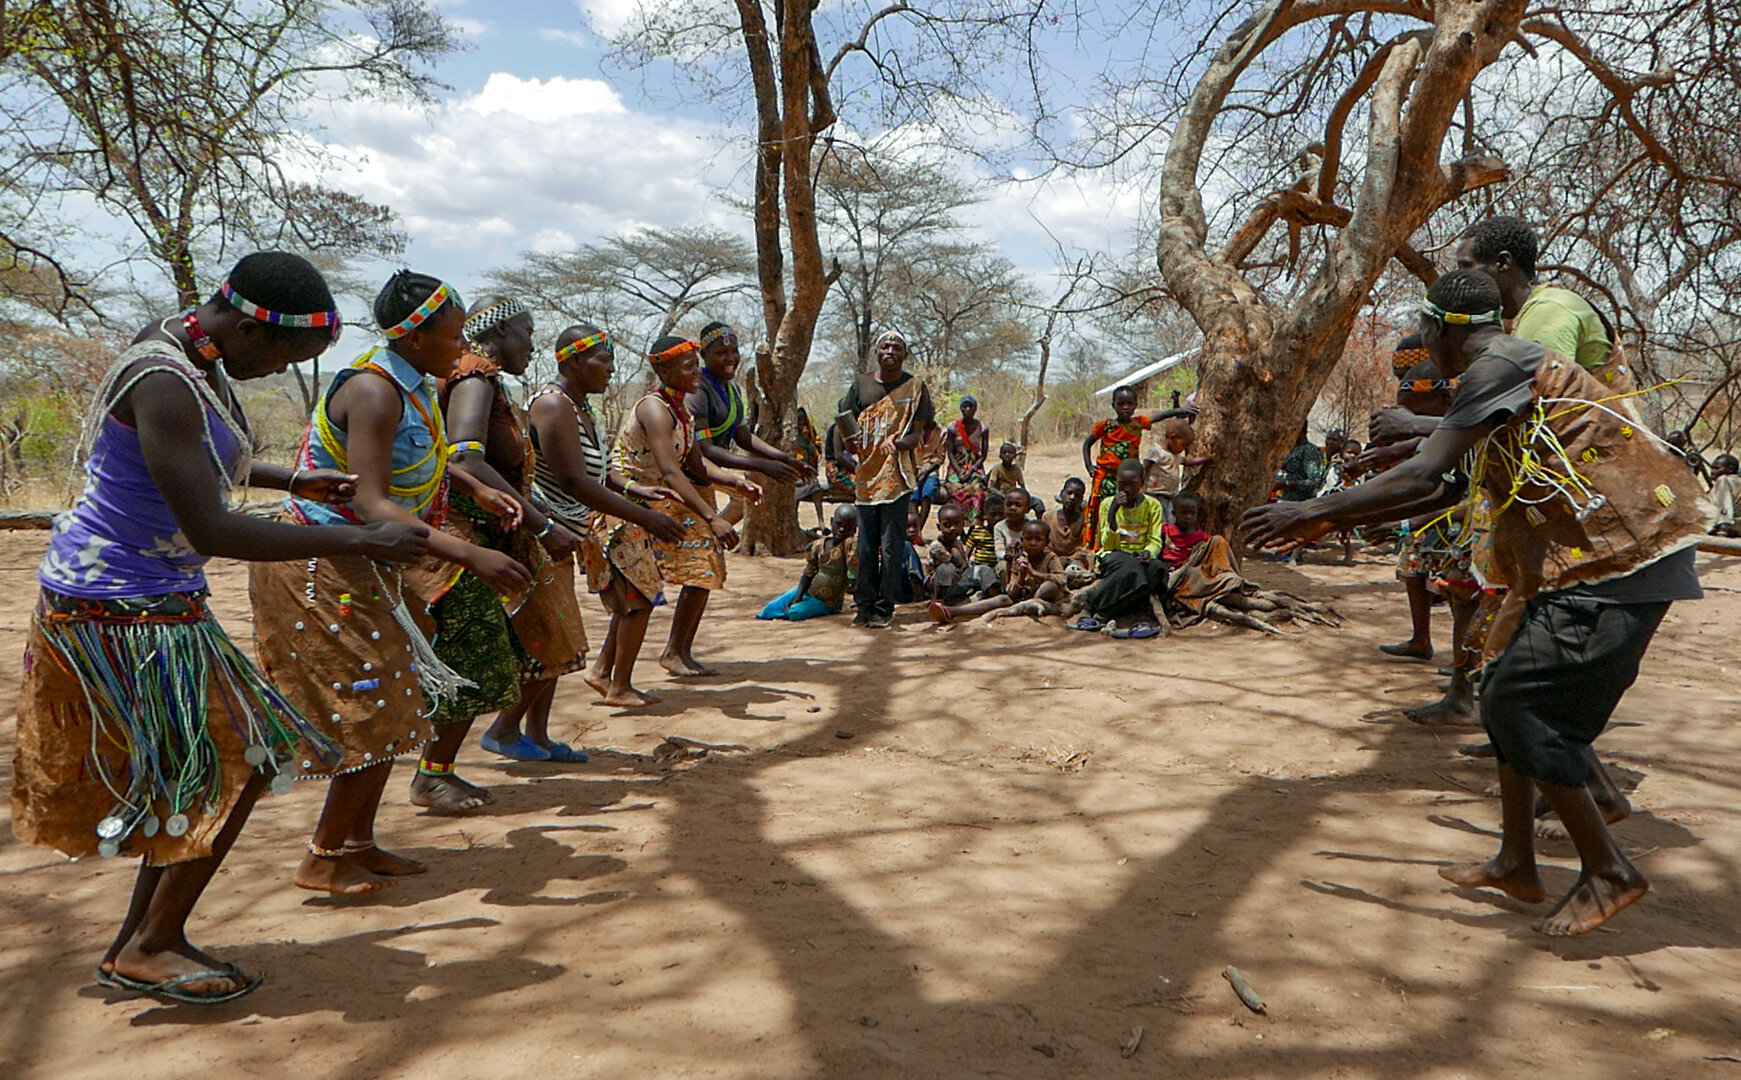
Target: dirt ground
981,851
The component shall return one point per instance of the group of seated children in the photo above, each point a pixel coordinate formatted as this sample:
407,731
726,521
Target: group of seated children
1113,569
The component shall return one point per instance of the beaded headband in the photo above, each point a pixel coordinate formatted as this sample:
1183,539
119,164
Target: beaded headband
1458,318
255,311
718,333
440,296
673,352
591,341
482,322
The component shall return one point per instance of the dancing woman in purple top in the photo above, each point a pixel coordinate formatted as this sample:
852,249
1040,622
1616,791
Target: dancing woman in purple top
141,728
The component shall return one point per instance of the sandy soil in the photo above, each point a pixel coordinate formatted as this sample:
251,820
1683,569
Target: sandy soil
976,851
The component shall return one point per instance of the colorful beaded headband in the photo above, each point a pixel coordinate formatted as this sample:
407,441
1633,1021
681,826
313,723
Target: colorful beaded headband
440,296
255,311
1427,386
673,352
482,322
718,333
1458,318
1403,359
591,341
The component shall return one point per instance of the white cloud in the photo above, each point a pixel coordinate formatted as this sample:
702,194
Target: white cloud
526,164
608,17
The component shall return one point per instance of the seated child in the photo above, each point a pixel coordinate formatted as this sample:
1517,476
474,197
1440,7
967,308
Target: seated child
1006,475
1034,582
1725,493
982,532
1130,568
910,560
829,573
1069,523
953,573
1006,534
1182,536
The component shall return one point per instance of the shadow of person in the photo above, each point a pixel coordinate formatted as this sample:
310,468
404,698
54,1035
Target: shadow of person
365,978
516,872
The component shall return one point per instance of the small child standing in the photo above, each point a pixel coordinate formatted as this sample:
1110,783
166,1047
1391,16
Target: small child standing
981,535
1120,440
1168,464
1725,493
1006,475
829,573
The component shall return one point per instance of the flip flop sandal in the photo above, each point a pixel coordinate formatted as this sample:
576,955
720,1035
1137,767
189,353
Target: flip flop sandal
939,612
170,989
1087,622
563,754
521,749
1142,631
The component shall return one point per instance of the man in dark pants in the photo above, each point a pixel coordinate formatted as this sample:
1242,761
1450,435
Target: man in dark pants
1592,557
889,411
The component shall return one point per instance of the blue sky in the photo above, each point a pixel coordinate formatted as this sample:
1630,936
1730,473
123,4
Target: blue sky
543,144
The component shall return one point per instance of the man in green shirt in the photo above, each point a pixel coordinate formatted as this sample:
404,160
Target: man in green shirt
1505,248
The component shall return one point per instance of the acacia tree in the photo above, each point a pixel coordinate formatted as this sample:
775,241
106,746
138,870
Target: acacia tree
1275,306
875,209
912,62
639,284
181,116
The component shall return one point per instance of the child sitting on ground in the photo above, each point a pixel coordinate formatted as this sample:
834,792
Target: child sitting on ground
1182,535
1131,570
1007,533
1068,523
981,534
1006,475
1033,584
829,573
1725,493
953,573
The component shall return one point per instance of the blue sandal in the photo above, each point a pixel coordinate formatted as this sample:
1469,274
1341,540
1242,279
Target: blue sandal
563,754
1087,622
521,749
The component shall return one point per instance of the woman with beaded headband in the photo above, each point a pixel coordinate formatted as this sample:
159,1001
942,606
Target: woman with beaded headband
1594,531
342,636
575,483
489,442
142,729
657,450
722,430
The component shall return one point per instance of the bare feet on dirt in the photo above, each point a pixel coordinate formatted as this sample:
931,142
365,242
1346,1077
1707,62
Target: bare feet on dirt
1518,882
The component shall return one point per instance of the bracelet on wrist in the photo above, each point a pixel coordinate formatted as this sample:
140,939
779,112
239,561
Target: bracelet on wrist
549,524
291,486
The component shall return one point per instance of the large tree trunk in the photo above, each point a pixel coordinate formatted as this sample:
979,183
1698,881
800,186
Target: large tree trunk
773,526
1262,367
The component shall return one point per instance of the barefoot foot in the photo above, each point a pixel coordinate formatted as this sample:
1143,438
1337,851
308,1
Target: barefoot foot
381,861
630,698
685,667
1593,901
1519,883
1548,827
338,875
1447,711
447,794
600,683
